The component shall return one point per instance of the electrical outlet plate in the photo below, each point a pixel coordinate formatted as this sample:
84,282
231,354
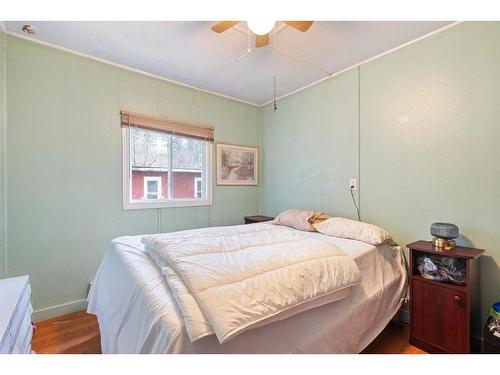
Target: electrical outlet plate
353,184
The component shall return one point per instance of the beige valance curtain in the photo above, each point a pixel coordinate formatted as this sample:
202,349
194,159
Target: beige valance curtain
165,126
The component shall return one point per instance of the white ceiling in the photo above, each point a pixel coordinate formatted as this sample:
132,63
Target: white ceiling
191,53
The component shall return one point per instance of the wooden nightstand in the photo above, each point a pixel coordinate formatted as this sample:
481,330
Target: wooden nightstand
257,219
440,312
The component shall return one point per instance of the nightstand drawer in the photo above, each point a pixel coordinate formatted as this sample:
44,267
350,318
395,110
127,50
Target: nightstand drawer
439,316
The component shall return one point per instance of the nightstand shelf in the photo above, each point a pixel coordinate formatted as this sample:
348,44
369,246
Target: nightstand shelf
440,312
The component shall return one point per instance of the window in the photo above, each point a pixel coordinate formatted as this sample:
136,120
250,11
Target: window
152,188
197,187
165,170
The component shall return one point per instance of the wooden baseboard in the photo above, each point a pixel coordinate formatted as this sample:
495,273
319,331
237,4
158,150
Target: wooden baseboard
57,310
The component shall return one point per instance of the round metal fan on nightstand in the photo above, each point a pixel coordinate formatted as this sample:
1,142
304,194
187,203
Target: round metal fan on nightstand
444,235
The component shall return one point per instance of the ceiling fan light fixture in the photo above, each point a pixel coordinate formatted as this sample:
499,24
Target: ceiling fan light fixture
261,27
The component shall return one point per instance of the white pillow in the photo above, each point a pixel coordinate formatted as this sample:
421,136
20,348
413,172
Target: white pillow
355,230
299,219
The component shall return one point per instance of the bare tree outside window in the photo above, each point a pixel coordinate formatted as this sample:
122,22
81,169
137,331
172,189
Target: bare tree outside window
149,149
150,160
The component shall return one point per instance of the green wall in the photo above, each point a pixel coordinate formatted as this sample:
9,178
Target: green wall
310,148
64,165
429,142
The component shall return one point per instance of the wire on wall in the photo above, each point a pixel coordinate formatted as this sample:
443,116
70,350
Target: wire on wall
275,104
354,201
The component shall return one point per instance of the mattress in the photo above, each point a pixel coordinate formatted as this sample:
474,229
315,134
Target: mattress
137,312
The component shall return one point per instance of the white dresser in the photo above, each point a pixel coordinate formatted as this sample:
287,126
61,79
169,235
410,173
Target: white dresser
15,315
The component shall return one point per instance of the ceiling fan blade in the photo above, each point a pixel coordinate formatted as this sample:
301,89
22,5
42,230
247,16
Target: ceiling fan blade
261,40
223,26
299,25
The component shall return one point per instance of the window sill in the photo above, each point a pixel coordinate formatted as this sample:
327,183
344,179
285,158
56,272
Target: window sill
168,204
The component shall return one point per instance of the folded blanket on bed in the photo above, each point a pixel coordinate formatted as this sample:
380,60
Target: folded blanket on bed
229,279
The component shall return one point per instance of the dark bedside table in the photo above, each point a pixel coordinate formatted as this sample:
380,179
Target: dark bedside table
257,219
440,312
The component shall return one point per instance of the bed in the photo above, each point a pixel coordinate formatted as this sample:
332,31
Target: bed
137,312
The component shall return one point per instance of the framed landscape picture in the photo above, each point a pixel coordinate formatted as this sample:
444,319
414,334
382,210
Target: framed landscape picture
237,165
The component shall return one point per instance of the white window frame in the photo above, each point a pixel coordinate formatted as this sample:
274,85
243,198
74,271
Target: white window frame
158,192
129,204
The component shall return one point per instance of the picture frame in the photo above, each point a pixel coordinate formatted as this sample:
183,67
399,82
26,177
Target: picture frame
237,165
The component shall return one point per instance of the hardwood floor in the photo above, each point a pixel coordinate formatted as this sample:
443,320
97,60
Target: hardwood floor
393,340
78,333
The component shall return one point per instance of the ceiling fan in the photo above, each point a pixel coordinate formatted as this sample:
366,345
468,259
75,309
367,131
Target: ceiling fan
261,29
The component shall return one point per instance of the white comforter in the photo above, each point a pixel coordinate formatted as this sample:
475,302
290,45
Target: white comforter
227,280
